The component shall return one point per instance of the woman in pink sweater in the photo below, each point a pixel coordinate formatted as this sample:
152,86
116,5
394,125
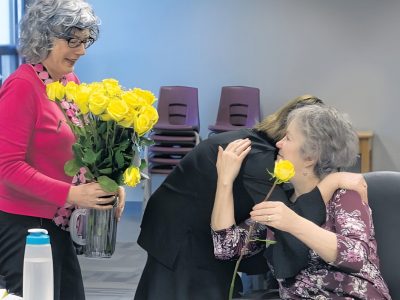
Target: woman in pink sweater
36,141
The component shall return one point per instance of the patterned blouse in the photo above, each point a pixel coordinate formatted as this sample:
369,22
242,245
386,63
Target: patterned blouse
355,273
63,214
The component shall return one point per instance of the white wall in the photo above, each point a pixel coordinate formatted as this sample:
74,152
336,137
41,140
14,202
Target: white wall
344,51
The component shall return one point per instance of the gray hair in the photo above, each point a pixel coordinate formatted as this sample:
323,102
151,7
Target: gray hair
330,139
45,20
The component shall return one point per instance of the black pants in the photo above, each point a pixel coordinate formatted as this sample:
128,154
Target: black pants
68,284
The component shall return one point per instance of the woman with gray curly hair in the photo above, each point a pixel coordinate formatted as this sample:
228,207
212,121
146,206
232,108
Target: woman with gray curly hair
343,261
36,141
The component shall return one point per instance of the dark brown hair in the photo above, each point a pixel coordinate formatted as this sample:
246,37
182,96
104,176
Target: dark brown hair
275,124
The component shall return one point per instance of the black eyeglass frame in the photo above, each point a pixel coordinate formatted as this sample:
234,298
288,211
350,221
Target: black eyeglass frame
74,42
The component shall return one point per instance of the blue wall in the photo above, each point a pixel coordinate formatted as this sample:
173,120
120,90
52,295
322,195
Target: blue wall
344,51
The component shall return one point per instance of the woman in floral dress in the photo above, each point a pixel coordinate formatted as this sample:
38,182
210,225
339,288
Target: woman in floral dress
343,261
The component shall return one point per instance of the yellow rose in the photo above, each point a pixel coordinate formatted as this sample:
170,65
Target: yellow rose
105,116
131,99
55,91
112,87
82,98
97,87
117,109
70,90
146,119
284,171
129,119
98,103
145,96
132,176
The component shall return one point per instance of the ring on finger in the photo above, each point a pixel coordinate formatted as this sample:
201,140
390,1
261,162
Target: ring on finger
268,219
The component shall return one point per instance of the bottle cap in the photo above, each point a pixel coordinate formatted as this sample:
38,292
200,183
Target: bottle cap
37,236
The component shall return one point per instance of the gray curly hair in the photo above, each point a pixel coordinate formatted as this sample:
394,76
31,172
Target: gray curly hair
45,20
330,139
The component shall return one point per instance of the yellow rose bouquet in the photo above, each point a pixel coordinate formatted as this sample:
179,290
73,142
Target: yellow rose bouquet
109,124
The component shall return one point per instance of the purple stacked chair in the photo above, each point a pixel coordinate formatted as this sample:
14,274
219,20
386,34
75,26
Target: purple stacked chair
176,132
239,107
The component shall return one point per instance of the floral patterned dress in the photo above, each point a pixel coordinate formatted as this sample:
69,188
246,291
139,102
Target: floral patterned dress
354,275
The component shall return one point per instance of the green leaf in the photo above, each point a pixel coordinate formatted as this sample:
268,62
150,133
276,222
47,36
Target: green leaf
89,175
144,141
98,154
102,128
267,242
143,164
124,145
78,151
71,167
108,184
105,171
119,158
89,157
104,163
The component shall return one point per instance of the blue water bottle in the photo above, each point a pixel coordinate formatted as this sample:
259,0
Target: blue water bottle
38,281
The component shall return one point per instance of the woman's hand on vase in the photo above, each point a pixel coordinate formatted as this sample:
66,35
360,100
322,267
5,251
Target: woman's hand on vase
90,195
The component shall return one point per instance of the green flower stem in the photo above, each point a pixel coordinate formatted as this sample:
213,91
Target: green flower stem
246,244
121,134
265,241
114,133
95,135
107,130
271,190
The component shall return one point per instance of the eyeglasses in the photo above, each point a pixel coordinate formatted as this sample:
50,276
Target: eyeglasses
74,42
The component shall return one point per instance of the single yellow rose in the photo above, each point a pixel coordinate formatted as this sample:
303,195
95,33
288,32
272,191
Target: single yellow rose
150,111
70,90
110,82
146,96
130,98
131,176
142,124
117,109
98,102
97,87
82,97
146,119
112,87
129,119
284,171
55,91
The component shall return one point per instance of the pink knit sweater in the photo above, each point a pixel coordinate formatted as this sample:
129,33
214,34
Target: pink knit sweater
35,143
